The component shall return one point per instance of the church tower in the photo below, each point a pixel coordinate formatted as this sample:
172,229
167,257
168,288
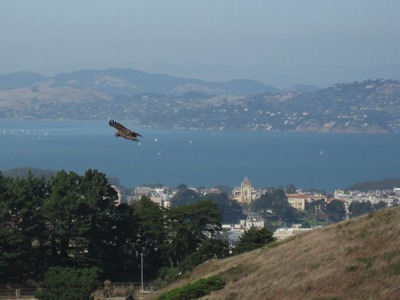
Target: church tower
246,191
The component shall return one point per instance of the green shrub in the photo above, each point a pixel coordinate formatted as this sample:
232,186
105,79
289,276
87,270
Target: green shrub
254,238
194,290
69,284
167,276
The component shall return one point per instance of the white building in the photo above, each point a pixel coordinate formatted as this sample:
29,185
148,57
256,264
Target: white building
283,233
235,231
161,196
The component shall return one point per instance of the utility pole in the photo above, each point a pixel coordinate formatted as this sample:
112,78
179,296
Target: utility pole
141,271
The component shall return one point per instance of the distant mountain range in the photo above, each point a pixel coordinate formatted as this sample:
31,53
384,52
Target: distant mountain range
131,82
163,101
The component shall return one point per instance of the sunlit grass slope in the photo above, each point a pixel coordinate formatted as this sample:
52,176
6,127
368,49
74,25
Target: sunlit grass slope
356,259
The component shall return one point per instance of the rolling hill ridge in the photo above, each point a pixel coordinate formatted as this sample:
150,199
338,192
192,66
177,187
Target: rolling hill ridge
131,82
163,101
356,259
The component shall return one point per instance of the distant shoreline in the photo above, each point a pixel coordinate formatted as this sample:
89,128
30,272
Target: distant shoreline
351,131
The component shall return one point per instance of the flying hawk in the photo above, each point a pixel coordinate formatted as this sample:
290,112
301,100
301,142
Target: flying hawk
123,131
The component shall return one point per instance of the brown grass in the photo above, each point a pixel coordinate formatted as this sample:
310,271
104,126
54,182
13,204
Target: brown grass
357,259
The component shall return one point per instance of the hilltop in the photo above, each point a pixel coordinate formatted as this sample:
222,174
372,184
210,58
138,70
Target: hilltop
163,101
356,259
124,81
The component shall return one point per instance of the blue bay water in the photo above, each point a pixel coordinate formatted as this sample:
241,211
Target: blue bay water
201,158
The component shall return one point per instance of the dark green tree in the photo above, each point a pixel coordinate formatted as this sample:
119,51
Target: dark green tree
118,252
189,226
182,187
97,212
316,210
336,211
79,211
380,205
360,208
232,211
61,209
151,234
23,230
252,239
276,201
184,196
69,284
68,220
290,189
11,239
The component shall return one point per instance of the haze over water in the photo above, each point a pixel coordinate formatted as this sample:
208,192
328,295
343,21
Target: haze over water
201,158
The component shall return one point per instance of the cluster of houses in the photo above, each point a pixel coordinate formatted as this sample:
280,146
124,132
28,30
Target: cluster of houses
246,194
389,197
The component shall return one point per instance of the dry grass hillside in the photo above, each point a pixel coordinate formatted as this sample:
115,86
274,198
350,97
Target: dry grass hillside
356,259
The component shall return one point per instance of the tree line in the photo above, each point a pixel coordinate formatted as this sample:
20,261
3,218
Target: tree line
74,222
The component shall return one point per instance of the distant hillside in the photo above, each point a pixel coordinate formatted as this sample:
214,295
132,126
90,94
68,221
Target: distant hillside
20,80
132,82
382,184
24,172
163,101
357,259
301,88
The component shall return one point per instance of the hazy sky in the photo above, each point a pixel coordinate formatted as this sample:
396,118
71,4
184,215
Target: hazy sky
278,42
